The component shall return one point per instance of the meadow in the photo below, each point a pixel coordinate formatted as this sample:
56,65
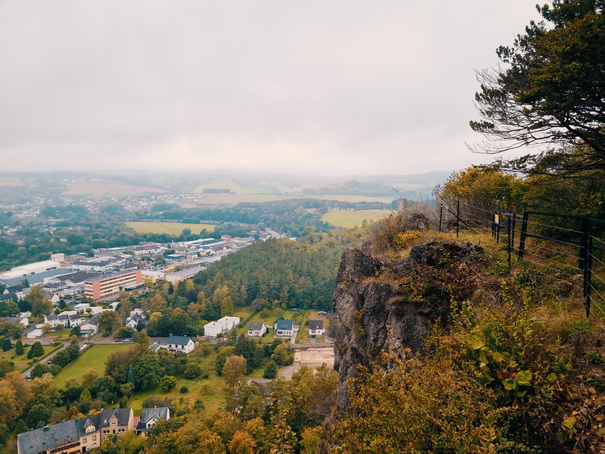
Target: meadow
22,362
350,218
170,228
93,357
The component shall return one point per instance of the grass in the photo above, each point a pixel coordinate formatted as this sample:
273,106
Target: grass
211,390
170,228
349,218
93,357
303,333
21,362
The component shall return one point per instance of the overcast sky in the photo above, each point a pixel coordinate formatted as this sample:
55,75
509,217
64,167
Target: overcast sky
293,86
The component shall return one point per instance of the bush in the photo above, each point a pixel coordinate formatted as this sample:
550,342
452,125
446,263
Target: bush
6,344
270,371
126,332
184,390
283,355
193,371
199,405
39,370
167,383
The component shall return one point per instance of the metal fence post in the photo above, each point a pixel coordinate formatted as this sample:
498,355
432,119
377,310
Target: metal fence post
523,234
509,247
583,244
457,218
440,215
588,275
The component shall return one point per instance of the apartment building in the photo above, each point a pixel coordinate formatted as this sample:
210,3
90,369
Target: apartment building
102,286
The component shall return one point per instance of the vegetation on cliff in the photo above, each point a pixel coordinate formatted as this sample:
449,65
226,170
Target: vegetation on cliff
513,366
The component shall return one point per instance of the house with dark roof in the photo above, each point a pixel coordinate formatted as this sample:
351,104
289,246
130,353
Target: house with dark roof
256,329
136,321
316,328
283,327
150,416
67,320
24,321
77,435
63,437
90,436
180,344
91,326
116,421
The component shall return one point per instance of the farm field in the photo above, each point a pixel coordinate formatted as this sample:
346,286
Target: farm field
209,199
93,357
11,181
170,228
104,187
352,198
349,218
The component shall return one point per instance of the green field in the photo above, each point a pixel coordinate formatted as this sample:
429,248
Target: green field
22,362
349,218
93,357
170,228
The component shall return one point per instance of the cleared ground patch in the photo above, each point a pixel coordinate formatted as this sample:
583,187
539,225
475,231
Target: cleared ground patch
170,228
350,218
93,357
315,356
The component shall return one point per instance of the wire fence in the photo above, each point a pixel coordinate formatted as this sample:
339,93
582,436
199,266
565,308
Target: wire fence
569,249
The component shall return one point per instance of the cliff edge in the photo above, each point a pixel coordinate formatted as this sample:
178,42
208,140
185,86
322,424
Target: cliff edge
386,305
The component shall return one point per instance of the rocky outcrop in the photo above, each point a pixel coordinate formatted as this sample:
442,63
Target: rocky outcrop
386,306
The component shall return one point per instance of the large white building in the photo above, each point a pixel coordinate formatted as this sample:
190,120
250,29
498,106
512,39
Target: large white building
30,268
221,326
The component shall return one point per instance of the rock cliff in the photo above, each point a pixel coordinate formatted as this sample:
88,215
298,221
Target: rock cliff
389,305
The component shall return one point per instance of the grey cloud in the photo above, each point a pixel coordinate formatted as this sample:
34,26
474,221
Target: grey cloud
130,79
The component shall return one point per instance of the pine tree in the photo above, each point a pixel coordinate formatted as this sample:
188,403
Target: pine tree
19,349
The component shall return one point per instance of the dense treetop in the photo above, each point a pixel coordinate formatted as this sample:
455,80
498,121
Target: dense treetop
551,88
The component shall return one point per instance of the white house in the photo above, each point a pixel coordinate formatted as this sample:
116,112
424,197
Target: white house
35,333
150,416
68,319
136,321
180,344
316,328
284,328
230,322
221,326
213,329
91,326
256,329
